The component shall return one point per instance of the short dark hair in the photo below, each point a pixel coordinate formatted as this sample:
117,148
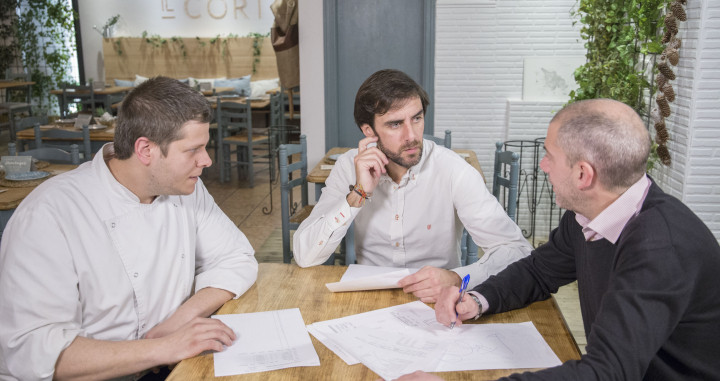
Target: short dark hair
157,109
380,93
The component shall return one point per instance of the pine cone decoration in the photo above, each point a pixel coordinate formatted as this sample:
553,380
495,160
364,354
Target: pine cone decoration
678,10
675,43
671,24
666,37
665,70
660,80
672,55
663,105
669,92
664,154
661,135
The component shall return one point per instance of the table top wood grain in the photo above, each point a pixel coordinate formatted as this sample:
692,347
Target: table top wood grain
319,175
283,286
12,197
105,91
103,135
9,84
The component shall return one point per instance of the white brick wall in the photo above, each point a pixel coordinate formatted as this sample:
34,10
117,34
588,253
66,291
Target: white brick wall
694,125
479,78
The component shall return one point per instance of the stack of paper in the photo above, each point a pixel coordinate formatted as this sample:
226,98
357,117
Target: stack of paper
363,277
402,339
265,341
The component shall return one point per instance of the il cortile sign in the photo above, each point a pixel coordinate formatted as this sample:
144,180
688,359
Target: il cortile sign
216,9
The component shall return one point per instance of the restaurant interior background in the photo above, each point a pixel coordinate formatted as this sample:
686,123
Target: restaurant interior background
496,70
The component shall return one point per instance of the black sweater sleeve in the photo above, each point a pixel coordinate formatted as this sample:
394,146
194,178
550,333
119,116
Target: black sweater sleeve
536,276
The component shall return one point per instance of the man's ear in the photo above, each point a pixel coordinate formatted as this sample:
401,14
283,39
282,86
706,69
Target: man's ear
585,175
367,130
144,150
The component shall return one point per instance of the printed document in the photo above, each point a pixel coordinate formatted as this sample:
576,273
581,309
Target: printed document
265,341
402,339
363,277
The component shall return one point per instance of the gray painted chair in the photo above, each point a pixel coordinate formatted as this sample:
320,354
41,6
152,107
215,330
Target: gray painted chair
17,101
292,214
507,179
445,142
52,155
505,182
63,139
82,96
28,122
234,122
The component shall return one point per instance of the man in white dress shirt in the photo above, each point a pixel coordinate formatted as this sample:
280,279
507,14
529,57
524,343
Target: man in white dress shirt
408,197
113,268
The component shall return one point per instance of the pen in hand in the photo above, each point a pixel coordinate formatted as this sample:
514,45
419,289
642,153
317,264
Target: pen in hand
463,288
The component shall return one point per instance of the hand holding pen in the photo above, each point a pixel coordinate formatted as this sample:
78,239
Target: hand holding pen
463,289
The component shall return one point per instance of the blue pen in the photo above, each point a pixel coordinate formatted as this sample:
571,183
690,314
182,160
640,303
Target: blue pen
463,288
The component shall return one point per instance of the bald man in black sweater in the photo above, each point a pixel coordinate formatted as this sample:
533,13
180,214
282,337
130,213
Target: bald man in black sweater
648,269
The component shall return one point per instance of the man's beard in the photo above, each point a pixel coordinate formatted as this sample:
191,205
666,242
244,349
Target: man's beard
396,157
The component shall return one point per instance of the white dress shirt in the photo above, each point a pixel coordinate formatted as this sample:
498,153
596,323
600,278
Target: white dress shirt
82,256
414,223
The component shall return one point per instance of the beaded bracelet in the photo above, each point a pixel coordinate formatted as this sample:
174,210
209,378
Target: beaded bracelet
359,190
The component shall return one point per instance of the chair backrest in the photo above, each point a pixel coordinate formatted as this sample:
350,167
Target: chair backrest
446,141
286,187
52,155
502,178
276,109
63,139
82,95
29,122
233,118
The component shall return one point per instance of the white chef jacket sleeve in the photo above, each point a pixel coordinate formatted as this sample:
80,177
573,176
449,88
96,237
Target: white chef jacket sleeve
321,232
489,225
224,257
39,299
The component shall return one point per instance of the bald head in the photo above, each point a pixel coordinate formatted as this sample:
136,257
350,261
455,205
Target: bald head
607,134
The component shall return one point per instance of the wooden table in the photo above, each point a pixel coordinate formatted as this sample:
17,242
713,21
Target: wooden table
105,95
11,197
97,137
255,104
9,84
282,286
318,175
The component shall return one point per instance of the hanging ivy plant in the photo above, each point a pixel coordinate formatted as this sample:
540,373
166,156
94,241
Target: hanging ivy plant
45,33
8,47
257,48
619,37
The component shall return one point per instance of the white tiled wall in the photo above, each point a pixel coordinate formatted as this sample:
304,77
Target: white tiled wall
479,78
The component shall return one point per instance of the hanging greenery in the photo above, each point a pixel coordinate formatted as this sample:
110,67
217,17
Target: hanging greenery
257,48
45,34
623,39
8,43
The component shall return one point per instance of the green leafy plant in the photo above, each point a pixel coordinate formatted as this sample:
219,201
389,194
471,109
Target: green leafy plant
45,34
620,37
8,43
181,45
257,48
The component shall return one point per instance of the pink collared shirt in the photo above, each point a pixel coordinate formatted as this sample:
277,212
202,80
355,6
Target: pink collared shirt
611,221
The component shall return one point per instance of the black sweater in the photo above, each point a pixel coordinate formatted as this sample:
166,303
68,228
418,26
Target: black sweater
650,303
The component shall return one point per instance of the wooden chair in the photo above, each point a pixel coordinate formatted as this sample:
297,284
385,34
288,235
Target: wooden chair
234,121
445,142
52,155
506,181
28,122
17,101
63,139
292,214
82,96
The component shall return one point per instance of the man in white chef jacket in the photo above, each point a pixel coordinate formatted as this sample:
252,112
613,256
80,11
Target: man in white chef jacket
113,268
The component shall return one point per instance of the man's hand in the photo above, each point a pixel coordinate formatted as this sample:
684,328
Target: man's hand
195,337
369,164
446,307
427,283
418,375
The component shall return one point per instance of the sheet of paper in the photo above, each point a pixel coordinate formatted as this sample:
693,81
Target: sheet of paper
265,341
326,167
359,277
401,339
463,154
